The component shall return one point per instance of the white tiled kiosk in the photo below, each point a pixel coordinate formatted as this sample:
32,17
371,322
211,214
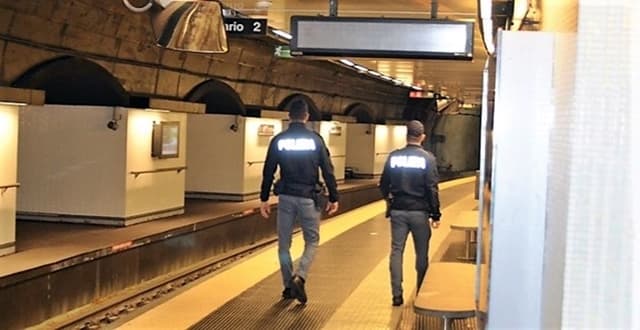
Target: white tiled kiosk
11,100
101,165
369,145
226,155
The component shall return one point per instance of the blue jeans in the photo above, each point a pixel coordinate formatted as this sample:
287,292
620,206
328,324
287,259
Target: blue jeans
403,222
305,210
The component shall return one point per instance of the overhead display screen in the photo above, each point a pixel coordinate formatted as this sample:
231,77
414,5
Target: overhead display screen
381,37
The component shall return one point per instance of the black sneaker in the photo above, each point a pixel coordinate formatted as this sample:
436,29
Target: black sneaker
297,289
286,294
397,301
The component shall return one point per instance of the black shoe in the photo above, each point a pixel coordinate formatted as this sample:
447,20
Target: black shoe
297,289
286,294
397,301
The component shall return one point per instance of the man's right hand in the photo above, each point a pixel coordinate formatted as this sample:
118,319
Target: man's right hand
435,224
265,210
331,208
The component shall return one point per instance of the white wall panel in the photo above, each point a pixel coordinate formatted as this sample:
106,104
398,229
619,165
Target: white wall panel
153,192
360,147
8,176
522,126
337,145
69,162
216,153
255,152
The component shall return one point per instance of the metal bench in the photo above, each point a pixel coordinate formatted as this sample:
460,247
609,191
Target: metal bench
468,222
448,291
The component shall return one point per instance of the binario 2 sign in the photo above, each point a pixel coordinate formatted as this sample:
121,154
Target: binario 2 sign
245,26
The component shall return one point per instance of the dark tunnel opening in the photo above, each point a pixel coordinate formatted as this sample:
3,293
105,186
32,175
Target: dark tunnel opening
218,97
361,112
74,81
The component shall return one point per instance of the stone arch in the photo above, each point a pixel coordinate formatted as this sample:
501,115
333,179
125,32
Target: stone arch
361,112
314,112
219,98
76,81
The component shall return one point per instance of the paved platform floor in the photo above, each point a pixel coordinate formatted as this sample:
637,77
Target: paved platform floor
348,285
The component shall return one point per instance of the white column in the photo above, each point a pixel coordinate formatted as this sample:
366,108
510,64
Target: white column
522,126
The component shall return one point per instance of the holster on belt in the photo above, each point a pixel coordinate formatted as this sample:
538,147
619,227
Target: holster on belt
387,212
319,195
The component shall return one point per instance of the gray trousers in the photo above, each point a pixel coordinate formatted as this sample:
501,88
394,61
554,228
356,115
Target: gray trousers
403,223
291,208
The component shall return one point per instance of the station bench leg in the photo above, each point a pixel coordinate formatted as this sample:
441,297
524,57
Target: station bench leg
468,241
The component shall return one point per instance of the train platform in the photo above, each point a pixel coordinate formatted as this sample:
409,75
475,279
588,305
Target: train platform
66,267
348,285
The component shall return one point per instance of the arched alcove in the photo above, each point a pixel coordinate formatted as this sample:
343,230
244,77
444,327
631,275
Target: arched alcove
314,113
361,112
219,98
76,81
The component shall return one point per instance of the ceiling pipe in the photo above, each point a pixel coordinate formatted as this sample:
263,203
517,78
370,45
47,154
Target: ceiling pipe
333,8
434,9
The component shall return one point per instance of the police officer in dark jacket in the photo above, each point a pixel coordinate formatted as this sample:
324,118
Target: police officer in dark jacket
299,152
409,184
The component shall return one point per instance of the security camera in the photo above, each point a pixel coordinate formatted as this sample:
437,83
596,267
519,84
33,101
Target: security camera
113,125
234,127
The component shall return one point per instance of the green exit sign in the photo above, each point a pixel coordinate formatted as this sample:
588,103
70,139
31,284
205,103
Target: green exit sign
282,52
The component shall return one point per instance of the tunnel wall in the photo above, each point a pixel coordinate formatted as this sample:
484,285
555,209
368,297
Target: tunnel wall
120,41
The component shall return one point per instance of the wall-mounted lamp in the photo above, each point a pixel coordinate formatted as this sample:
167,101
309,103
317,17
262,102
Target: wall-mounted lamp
113,124
235,126
369,130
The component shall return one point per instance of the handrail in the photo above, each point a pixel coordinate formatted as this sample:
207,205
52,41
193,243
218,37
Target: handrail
382,153
255,162
168,169
339,156
5,187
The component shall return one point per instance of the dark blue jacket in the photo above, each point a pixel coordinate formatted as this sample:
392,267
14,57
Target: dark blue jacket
409,181
299,152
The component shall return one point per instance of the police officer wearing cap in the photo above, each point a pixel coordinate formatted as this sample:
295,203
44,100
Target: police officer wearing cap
299,152
409,184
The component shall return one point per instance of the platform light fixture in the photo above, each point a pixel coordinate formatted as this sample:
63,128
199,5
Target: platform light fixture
347,62
186,25
486,26
282,34
360,68
520,9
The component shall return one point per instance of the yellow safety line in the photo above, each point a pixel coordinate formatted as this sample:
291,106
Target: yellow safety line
197,302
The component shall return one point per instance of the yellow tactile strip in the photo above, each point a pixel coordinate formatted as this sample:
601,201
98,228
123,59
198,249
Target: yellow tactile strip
195,303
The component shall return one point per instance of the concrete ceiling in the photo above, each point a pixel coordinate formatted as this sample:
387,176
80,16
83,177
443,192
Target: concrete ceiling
458,78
